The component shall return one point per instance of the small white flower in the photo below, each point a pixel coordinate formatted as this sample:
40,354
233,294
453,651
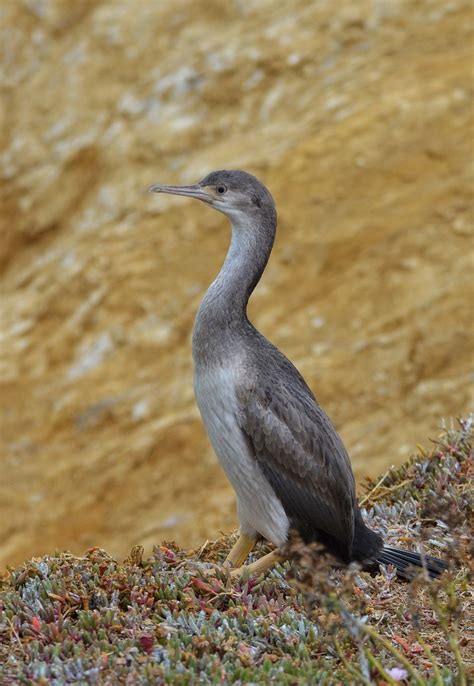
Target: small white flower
397,673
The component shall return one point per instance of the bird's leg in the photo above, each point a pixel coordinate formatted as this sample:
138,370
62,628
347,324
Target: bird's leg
259,566
239,551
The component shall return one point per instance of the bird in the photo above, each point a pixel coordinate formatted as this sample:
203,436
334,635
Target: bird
280,451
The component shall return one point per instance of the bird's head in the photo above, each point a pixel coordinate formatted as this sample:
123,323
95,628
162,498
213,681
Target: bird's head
237,194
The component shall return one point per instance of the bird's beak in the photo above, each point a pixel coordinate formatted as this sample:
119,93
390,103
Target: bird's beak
195,191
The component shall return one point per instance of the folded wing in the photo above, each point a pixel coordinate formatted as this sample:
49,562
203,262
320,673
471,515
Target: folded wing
303,458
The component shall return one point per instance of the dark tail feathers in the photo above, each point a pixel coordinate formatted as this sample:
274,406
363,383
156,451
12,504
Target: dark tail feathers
405,560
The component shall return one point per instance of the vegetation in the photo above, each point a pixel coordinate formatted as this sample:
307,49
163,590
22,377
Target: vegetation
177,618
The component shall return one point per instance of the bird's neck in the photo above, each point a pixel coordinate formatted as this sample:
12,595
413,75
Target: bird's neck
223,310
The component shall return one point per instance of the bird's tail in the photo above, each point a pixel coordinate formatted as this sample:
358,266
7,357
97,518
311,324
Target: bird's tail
406,562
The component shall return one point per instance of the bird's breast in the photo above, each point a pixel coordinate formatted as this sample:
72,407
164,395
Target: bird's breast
260,511
214,387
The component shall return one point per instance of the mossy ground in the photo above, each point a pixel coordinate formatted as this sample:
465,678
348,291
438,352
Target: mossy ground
177,619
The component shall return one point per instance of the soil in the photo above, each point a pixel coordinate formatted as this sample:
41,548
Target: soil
357,116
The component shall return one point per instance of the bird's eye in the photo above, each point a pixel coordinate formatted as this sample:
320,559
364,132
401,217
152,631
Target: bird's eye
221,189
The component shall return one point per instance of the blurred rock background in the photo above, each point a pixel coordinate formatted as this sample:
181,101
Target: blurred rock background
356,114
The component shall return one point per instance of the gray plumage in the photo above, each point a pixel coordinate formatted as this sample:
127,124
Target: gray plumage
297,449
280,451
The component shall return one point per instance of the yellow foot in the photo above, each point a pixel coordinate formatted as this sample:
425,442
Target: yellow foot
259,566
239,551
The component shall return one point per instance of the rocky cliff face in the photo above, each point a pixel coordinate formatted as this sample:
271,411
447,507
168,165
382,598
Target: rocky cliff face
357,117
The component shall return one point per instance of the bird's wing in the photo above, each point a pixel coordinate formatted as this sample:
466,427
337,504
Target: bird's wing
301,455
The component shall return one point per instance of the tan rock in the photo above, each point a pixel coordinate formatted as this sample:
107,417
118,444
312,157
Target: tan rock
356,116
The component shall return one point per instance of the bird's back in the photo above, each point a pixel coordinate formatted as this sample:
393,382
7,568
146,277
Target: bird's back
296,447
